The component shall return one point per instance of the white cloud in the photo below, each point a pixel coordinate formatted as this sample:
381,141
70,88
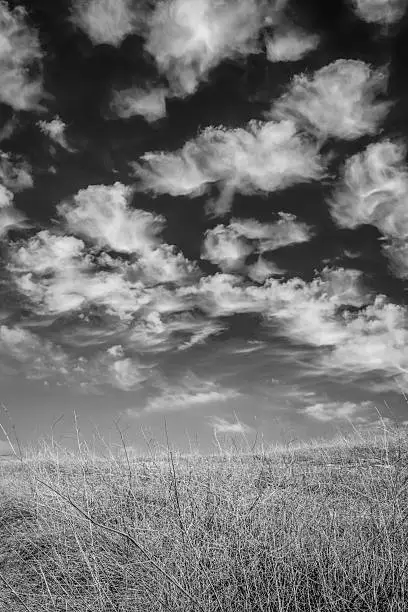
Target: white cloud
157,332
200,333
46,252
149,103
105,21
262,158
220,425
15,173
338,411
102,213
10,217
164,264
397,252
228,246
339,100
187,38
271,236
290,45
308,312
222,295
125,374
225,247
263,269
374,190
55,129
20,52
191,391
384,12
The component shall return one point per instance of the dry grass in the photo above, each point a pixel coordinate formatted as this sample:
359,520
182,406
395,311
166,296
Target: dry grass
311,529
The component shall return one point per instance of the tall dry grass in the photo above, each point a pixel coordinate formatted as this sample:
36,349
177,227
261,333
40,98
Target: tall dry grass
307,529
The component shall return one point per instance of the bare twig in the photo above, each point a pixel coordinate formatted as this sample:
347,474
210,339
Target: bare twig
16,595
123,534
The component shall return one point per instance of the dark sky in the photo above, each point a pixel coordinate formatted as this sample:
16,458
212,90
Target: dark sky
203,217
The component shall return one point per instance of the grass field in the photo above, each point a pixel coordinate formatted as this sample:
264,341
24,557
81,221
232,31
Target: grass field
313,528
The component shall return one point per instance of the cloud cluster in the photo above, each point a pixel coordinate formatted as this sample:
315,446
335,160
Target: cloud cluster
338,101
136,291
262,158
357,336
149,103
307,311
374,341
58,276
290,44
188,38
41,359
385,12
374,190
105,21
21,84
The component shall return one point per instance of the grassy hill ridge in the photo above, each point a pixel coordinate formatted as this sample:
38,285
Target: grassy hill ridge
313,528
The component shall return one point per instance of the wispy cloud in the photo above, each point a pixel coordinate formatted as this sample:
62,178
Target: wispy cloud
148,103
55,130
223,426
35,357
262,158
290,44
20,59
15,173
313,101
339,411
10,217
263,269
285,231
191,391
228,246
384,12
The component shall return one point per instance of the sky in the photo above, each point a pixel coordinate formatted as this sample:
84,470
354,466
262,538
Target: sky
203,219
